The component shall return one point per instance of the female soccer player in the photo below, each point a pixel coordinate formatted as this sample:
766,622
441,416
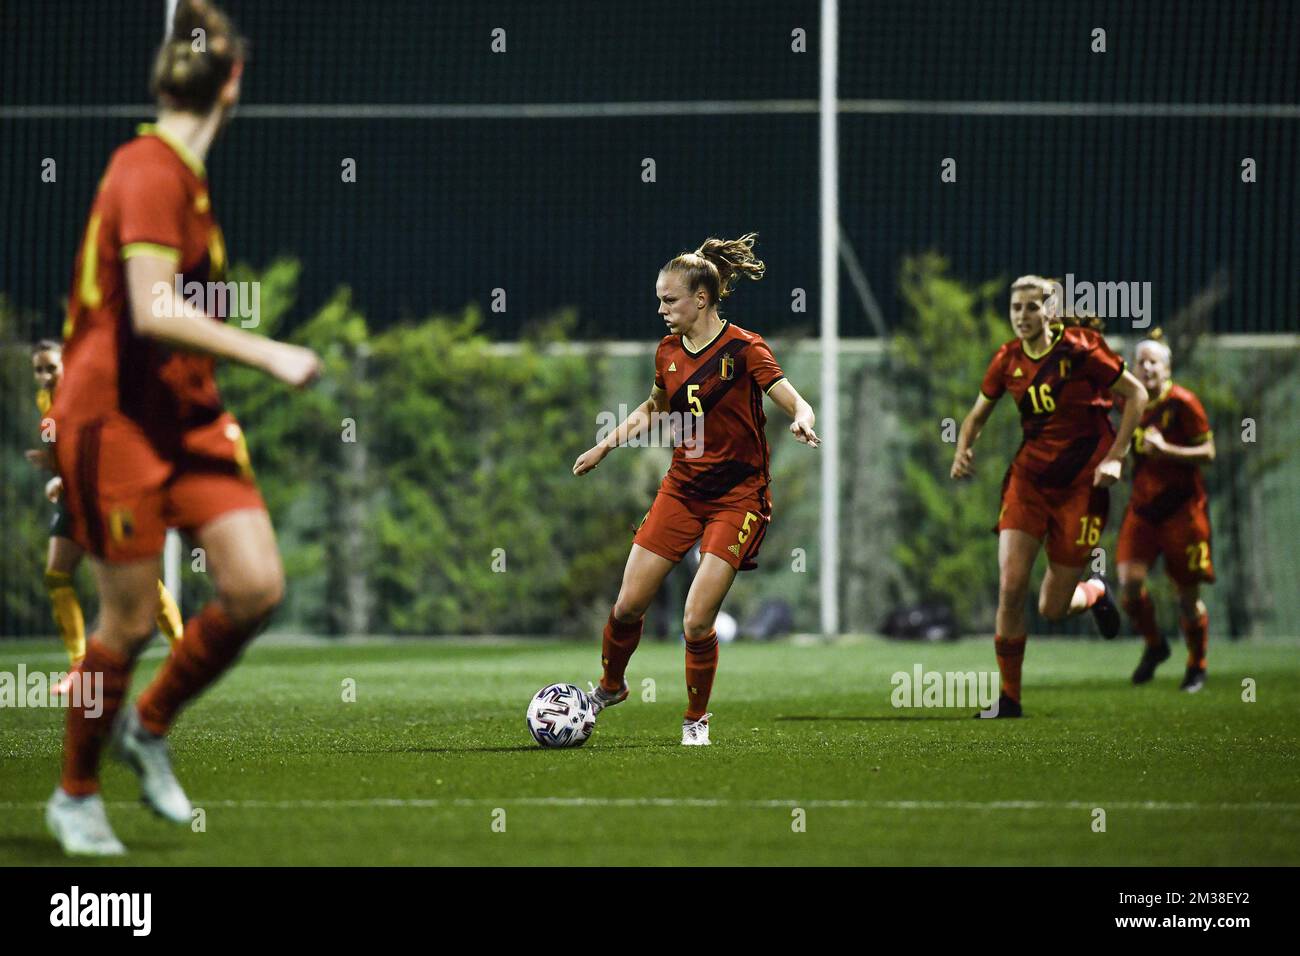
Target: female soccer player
143,442
1168,514
1057,486
711,375
65,554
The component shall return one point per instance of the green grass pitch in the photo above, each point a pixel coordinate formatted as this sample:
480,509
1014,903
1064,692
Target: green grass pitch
415,769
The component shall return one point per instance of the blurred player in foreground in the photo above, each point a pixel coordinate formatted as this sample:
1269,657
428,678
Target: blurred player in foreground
711,376
65,554
1168,514
143,442
1057,487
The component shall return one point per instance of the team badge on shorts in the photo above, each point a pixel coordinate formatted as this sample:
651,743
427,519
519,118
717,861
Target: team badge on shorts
121,524
727,368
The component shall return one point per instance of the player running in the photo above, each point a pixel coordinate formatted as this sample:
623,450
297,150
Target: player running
143,442
1168,514
65,554
712,376
1057,485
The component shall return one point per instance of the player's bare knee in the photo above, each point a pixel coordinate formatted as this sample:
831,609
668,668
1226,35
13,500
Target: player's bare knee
1189,603
128,627
696,627
1053,610
1013,590
627,610
253,599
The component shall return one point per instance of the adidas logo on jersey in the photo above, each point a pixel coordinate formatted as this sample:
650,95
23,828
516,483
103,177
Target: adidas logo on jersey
672,366
1019,374
735,549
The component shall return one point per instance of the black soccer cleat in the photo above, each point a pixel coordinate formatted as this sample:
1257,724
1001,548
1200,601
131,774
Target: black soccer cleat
1152,658
1193,680
1005,707
1104,612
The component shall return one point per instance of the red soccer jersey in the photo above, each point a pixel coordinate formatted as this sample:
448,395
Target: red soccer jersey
1163,486
1063,400
152,200
721,389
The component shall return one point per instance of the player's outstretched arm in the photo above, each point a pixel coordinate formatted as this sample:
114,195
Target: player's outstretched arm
156,314
793,404
963,460
635,423
1135,402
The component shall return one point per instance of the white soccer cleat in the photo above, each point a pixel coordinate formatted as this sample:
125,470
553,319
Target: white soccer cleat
695,733
81,826
601,698
148,756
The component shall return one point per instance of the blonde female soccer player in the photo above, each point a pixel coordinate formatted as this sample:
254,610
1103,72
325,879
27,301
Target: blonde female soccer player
144,442
1056,489
1168,514
713,375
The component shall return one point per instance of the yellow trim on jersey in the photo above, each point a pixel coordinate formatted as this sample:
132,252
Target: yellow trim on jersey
695,353
1164,393
1123,367
1060,330
180,149
151,249
44,400
768,390
87,286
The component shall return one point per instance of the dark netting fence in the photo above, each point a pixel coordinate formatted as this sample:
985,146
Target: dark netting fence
1117,166
552,167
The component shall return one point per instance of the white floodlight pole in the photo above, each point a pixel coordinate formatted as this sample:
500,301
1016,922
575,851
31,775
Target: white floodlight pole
172,548
828,421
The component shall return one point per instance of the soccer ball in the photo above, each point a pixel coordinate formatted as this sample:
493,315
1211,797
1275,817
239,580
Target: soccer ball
561,715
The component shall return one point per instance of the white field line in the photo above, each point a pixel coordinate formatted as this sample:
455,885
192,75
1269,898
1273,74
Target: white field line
405,803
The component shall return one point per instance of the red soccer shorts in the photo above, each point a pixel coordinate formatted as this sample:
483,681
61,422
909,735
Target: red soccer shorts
1071,519
1183,538
673,525
122,495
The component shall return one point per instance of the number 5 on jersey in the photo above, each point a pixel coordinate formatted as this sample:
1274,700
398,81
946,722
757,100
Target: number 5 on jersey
693,400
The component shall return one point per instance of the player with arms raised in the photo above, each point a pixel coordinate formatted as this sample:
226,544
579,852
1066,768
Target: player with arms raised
713,375
1056,488
1168,514
143,442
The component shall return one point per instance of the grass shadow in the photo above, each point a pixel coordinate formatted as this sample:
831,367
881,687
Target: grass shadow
961,715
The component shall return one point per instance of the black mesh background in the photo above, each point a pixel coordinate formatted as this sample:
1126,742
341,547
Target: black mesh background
555,212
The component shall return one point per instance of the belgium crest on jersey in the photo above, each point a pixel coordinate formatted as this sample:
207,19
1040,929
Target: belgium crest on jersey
727,368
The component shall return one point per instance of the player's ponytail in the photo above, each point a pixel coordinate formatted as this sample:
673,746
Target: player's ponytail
717,264
1156,341
197,59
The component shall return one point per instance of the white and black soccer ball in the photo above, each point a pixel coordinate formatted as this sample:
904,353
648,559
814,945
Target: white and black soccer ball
561,715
